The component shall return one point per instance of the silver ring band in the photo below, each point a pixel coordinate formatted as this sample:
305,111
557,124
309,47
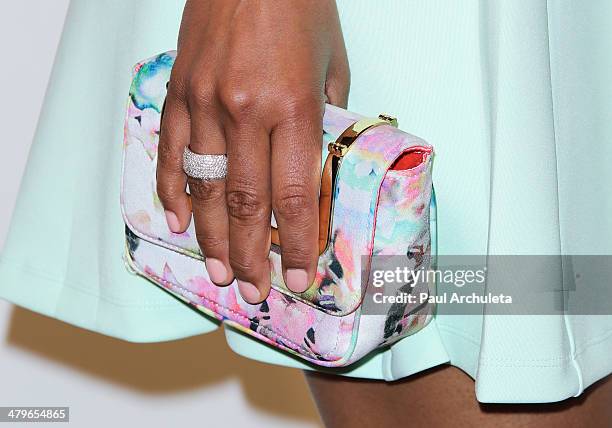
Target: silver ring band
204,167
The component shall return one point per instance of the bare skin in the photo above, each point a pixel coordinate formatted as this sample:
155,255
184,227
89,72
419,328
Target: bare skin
444,397
250,80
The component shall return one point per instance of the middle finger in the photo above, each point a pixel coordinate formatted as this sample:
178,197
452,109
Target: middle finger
249,207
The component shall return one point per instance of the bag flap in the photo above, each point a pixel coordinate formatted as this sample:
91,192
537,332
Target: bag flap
338,287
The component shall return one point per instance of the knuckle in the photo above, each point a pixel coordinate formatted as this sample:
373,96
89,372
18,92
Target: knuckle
201,92
163,194
206,191
295,256
210,244
241,265
168,155
237,101
293,202
301,104
165,191
179,82
243,204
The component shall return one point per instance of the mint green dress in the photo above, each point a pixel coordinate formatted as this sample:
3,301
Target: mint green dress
516,96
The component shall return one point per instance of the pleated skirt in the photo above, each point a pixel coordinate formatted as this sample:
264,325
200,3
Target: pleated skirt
516,97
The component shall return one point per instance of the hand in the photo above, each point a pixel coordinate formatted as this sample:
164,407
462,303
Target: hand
250,80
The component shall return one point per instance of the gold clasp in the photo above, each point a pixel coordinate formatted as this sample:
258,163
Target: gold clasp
337,150
339,147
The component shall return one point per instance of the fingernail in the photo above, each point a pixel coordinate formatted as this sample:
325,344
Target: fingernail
216,271
297,280
172,221
249,292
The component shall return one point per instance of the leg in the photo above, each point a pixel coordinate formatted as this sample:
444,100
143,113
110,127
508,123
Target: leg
444,397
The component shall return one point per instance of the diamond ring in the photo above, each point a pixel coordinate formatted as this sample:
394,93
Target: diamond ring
204,167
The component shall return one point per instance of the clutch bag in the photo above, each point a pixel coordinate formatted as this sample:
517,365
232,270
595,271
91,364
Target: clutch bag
376,203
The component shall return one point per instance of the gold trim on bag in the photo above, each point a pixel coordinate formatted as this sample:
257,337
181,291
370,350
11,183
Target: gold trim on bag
337,150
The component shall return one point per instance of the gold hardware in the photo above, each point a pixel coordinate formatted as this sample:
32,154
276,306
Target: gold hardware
339,147
337,150
390,119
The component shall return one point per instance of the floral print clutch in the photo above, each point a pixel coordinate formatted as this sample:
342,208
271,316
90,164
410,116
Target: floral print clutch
379,203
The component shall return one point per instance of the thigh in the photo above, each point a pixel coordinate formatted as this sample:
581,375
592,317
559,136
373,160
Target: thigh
443,397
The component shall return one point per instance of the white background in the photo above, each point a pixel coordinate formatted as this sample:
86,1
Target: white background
106,382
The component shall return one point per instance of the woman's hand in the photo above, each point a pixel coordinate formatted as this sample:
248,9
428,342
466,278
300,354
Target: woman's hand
250,80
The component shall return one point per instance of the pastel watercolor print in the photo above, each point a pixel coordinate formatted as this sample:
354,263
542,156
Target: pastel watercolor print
389,208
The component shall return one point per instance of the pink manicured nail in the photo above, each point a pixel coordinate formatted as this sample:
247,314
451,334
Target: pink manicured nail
297,280
216,271
172,221
249,292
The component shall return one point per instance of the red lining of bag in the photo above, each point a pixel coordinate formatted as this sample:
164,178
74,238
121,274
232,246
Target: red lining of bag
411,159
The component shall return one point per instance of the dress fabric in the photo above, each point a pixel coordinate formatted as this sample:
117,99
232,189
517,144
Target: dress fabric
514,95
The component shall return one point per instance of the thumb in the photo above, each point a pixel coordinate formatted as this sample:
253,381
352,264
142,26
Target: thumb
338,79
